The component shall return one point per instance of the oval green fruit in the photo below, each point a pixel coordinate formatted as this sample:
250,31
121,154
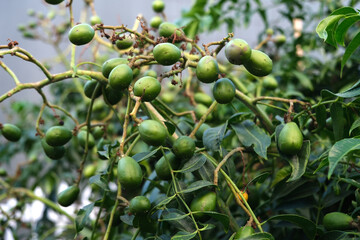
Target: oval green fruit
54,153
11,132
139,204
162,167
204,202
68,196
290,139
203,98
237,51
166,54
58,136
89,170
112,96
280,40
167,29
270,82
90,87
54,2
82,139
110,64
200,132
95,20
124,43
158,5
148,88
207,70
121,77
259,64
184,147
243,232
156,21
129,173
224,90
81,34
200,110
337,221
151,73
153,132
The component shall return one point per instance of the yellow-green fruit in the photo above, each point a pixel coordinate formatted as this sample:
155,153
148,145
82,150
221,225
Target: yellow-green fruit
166,29
112,95
89,170
151,73
82,139
237,51
120,77
158,5
270,82
68,196
168,97
337,221
129,173
162,167
90,87
139,204
204,202
148,88
54,153
156,21
259,64
57,136
200,132
81,34
207,70
203,98
95,20
110,64
124,43
224,90
11,132
200,110
243,232
290,139
184,147
280,40
166,53
153,132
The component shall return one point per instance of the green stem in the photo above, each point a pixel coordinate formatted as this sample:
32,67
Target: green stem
136,234
203,118
11,73
113,211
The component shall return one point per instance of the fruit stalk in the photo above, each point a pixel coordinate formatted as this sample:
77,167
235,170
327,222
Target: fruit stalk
203,118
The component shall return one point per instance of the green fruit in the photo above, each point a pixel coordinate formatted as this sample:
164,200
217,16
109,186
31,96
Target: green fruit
153,132
203,98
11,132
148,88
270,82
167,29
54,153
95,20
68,196
53,2
207,70
110,64
58,136
120,77
337,221
280,40
158,5
200,110
162,167
224,90
98,132
167,97
259,64
200,132
151,73
139,204
112,95
124,43
237,51
290,139
129,173
89,89
269,31
166,54
100,147
184,147
89,170
140,147
156,21
81,34
204,202
3,172
243,232
82,139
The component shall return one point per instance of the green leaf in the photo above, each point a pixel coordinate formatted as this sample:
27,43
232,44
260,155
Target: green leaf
195,163
338,120
259,178
213,137
82,217
178,219
100,181
343,10
351,181
322,164
197,185
251,135
299,161
222,218
327,26
170,127
355,125
340,150
144,155
308,226
304,80
259,236
128,219
350,49
354,91
343,27
84,77
321,114
183,235
281,175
